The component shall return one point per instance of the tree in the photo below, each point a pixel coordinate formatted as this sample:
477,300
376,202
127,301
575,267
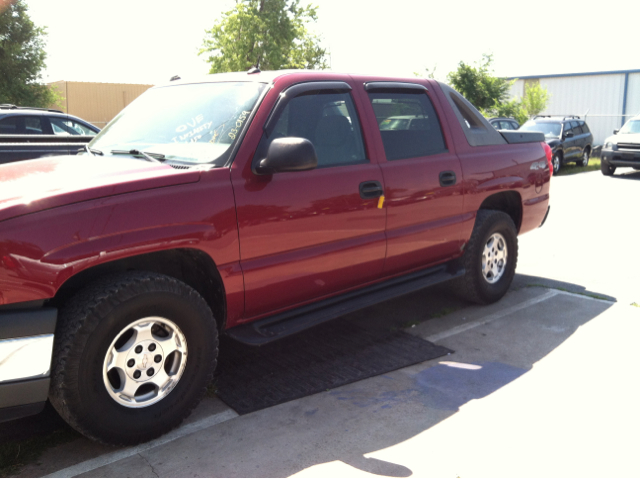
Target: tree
269,34
535,98
478,85
489,94
22,58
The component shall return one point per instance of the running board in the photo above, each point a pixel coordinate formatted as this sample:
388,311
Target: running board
285,324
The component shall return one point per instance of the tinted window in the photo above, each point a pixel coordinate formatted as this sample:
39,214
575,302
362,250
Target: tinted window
21,125
12,125
328,120
408,125
33,125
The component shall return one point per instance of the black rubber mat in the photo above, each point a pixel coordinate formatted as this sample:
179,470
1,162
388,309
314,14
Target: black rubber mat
322,358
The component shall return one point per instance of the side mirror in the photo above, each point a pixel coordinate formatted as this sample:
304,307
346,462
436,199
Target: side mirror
288,154
568,134
615,132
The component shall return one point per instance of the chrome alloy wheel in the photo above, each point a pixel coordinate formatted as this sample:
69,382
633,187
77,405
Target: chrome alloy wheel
145,362
494,258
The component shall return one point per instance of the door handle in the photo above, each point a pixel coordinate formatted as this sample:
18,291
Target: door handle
370,189
447,178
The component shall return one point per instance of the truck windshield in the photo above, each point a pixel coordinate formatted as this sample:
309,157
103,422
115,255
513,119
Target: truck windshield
550,130
193,123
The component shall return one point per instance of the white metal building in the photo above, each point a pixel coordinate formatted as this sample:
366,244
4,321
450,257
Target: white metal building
607,98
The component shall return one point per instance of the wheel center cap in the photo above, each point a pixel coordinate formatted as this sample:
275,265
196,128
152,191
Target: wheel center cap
144,360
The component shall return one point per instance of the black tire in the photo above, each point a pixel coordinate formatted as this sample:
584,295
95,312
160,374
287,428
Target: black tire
606,168
556,161
474,286
81,389
584,161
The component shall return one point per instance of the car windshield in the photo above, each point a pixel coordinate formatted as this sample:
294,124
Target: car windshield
193,123
632,126
550,130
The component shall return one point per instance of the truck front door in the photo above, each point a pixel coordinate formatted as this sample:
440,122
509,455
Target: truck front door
309,234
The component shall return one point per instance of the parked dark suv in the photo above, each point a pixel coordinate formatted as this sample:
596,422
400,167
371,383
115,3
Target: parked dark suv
15,120
569,138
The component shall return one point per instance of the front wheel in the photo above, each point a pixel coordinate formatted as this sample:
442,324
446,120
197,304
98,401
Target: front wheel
133,356
490,258
606,168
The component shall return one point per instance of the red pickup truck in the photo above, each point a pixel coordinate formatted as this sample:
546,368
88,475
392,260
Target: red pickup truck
251,204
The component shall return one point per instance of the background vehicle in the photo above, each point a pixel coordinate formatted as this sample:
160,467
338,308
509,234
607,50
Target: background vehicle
262,204
622,149
569,138
27,133
504,123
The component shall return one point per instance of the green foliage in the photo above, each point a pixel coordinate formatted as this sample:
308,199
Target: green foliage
478,85
270,34
429,73
535,99
508,109
489,94
22,59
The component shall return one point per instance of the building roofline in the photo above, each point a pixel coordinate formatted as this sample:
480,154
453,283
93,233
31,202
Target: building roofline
559,75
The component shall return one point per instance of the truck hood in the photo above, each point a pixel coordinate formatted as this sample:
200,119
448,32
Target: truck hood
35,185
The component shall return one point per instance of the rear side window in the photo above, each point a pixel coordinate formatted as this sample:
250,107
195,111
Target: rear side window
21,125
12,125
408,124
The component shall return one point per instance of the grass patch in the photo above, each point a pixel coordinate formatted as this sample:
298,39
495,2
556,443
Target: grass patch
15,455
573,169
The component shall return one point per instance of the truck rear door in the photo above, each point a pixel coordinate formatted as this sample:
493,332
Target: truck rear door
422,177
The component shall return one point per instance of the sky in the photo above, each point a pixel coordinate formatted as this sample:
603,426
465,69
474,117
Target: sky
149,41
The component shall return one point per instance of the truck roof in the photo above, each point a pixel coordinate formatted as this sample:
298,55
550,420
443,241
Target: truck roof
272,76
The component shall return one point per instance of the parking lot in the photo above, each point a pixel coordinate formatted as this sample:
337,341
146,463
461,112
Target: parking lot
542,383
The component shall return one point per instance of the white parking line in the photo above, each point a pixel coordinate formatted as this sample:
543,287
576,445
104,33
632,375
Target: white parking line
112,457
491,317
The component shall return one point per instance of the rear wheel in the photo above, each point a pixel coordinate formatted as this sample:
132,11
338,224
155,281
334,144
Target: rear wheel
134,354
490,258
556,161
585,157
606,168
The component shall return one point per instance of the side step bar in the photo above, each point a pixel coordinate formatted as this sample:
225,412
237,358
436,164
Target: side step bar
285,324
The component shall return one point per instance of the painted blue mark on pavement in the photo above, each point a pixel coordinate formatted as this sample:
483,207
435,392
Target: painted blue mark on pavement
446,387
443,387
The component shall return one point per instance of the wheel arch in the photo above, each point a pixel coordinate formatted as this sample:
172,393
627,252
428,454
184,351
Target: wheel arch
191,266
509,202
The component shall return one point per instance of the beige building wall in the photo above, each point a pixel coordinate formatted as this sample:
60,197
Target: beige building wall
97,103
